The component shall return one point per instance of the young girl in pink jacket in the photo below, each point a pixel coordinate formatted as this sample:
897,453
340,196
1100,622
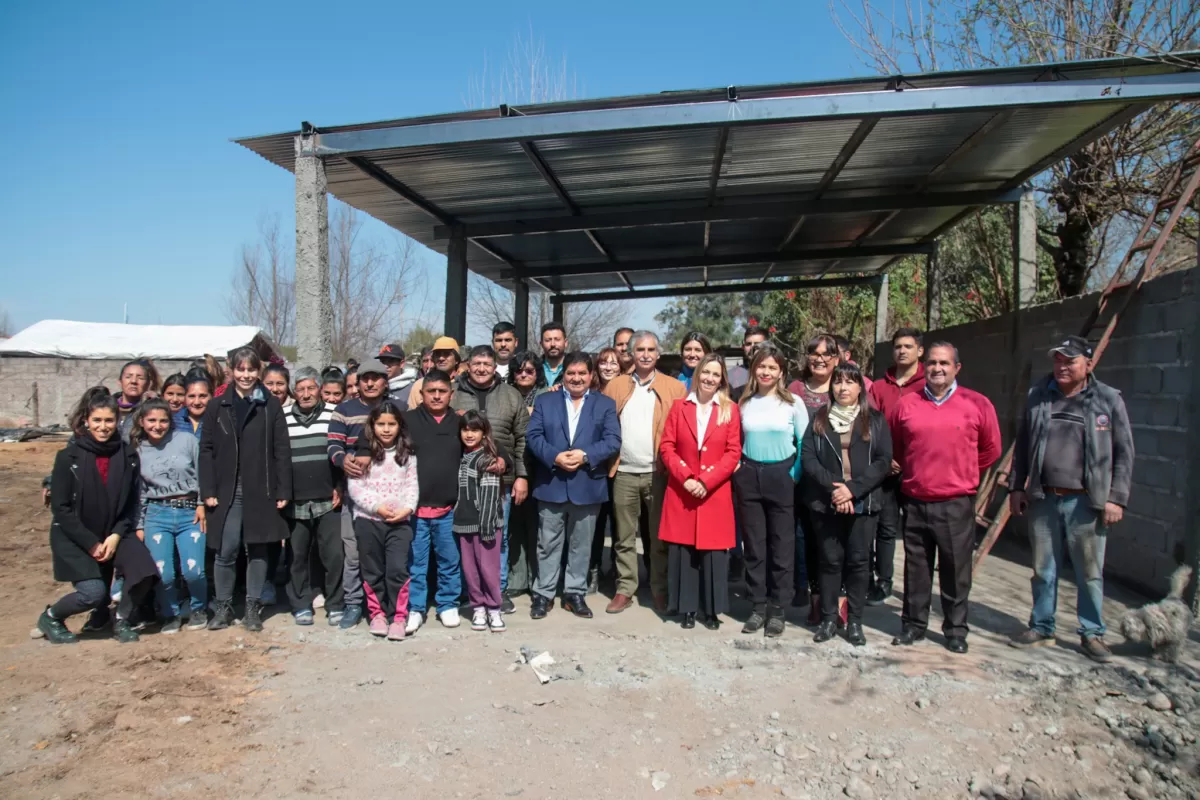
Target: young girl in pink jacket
384,500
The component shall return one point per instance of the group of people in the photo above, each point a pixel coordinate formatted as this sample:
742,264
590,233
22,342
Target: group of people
362,491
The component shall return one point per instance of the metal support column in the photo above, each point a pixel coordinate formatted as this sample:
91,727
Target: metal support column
881,310
455,321
1025,250
314,309
521,312
933,291
558,308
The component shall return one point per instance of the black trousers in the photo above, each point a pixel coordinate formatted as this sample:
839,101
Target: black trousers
383,560
888,531
766,508
811,543
944,532
845,560
603,521
320,538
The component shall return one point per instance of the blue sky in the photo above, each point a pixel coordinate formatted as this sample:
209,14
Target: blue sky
121,184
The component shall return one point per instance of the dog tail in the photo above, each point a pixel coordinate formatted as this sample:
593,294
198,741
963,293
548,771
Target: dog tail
1179,581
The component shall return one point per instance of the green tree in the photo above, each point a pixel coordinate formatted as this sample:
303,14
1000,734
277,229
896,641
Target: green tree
418,337
720,317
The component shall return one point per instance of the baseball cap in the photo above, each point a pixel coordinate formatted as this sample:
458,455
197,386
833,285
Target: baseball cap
445,343
1073,347
393,350
372,365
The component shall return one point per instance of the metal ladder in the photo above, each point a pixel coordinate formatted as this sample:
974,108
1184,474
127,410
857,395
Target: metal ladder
1149,243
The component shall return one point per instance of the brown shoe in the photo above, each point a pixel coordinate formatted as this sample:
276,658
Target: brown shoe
1095,649
619,603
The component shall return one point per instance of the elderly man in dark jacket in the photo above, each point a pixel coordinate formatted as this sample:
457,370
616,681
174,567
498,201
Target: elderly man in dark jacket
480,389
1075,449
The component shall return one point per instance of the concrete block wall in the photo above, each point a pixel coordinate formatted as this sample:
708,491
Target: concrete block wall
60,384
1152,361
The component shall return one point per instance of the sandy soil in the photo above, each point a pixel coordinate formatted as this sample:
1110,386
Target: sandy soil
636,706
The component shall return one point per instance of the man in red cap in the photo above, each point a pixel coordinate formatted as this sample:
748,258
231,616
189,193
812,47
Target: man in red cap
1075,449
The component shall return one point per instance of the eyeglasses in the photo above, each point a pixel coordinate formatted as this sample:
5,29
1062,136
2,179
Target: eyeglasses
527,371
820,357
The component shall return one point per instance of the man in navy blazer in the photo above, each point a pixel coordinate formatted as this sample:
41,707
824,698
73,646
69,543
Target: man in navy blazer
573,434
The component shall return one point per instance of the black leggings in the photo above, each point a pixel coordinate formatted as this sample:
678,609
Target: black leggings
845,560
225,564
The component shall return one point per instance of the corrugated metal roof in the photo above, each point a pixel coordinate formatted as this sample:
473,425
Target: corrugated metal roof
712,185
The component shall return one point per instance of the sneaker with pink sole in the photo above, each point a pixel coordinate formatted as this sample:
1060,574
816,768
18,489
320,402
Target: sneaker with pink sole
395,632
379,626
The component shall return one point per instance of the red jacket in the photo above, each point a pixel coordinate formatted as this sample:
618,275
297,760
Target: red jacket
944,449
886,394
712,463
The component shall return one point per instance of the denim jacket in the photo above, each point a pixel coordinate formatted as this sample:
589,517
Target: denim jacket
1108,443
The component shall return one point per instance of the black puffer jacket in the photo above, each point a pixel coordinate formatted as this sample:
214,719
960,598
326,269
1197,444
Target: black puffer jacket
506,412
261,454
821,464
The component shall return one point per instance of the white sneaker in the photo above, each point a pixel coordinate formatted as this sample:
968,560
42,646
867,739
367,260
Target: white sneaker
479,621
496,622
318,602
415,619
449,618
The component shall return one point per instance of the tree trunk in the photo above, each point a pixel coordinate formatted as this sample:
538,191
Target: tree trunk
1075,195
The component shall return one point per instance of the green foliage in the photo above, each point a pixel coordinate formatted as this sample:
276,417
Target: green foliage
417,338
720,317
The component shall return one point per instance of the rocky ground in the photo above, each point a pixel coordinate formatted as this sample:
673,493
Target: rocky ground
634,706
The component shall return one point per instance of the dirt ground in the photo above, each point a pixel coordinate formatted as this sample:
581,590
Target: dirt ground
636,707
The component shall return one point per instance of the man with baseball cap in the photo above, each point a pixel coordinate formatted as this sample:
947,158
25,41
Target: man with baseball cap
400,377
445,358
1075,448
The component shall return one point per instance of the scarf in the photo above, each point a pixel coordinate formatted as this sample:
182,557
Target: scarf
841,418
479,504
307,418
124,405
100,500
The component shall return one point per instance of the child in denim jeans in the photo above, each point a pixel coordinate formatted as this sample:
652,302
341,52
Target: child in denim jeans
170,521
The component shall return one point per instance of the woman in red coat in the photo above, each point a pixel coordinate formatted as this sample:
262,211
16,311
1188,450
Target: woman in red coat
701,447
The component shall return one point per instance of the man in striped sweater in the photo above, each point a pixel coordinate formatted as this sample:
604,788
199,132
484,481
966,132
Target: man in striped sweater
312,515
345,426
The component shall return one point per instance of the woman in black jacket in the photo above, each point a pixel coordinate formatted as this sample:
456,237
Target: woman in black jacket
245,479
845,455
93,503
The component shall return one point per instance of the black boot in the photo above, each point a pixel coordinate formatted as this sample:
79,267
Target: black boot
879,592
252,621
689,620
124,633
855,635
775,621
593,583
98,620
826,630
54,630
758,618
222,616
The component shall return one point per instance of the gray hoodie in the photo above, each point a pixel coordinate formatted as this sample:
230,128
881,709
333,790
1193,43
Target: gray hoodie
168,469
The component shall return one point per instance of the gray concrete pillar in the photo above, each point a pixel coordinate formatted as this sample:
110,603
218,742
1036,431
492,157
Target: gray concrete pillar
455,323
558,309
1025,251
881,309
933,291
314,309
521,312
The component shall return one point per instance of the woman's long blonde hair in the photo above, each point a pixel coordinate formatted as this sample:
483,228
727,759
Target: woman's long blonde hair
721,398
761,354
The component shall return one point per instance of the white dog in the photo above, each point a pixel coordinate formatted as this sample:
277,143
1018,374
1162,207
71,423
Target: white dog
1163,625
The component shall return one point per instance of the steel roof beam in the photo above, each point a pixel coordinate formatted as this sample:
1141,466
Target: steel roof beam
720,288
717,161
827,105
642,217
694,262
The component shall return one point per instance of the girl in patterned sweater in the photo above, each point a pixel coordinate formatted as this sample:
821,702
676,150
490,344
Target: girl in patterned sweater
384,499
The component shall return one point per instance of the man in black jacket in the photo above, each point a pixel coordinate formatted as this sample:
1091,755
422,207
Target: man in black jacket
480,389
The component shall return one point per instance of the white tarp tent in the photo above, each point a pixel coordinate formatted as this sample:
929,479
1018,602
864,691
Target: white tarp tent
66,339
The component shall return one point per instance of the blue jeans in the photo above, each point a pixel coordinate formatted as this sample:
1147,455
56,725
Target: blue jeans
1054,520
507,512
437,534
169,530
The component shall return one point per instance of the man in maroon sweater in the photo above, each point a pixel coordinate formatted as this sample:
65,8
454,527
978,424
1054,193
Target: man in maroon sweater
943,439
905,377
